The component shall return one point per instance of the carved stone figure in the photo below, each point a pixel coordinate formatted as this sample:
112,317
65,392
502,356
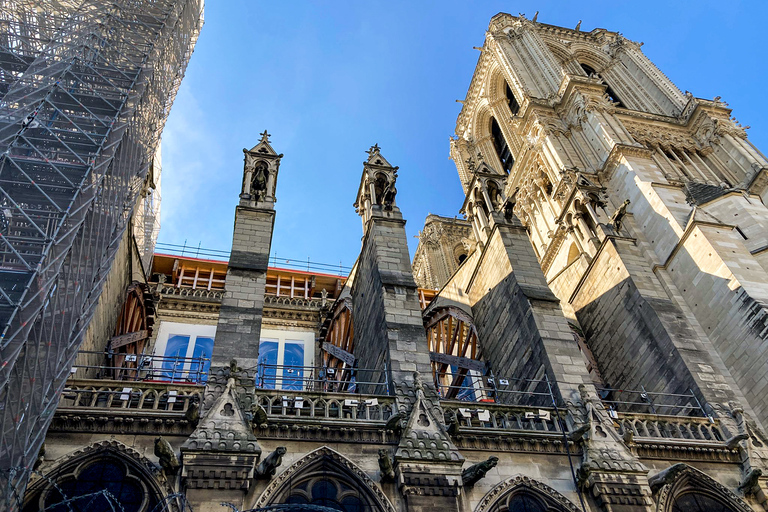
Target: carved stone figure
259,415
267,468
259,183
662,478
40,457
750,483
385,465
396,423
192,414
167,457
475,472
452,422
388,195
619,215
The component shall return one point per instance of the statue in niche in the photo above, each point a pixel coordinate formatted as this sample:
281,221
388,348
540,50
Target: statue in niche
385,191
259,182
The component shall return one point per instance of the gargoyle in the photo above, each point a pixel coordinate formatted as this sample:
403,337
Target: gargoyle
619,215
662,478
452,422
396,423
266,468
192,414
475,472
749,485
385,465
167,457
259,415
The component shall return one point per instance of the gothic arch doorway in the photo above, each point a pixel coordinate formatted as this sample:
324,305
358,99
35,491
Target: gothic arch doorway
325,478
523,494
682,488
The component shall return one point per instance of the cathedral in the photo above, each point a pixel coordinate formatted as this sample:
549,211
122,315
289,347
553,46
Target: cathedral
589,334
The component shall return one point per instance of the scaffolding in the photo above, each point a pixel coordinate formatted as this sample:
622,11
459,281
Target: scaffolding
85,89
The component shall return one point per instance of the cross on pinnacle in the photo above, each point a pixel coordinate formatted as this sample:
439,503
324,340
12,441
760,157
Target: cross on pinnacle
265,136
374,150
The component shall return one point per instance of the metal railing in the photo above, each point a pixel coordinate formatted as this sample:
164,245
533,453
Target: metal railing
305,265
643,401
141,367
490,389
322,379
496,417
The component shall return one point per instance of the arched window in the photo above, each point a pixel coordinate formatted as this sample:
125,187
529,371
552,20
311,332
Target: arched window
325,478
589,70
522,494
698,502
682,488
99,482
525,502
501,146
514,106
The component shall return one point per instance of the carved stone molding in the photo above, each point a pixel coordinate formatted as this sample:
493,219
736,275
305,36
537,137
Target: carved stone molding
316,456
520,482
689,478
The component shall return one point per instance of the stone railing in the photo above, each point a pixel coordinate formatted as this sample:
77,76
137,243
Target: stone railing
191,293
325,408
113,396
653,428
485,417
273,300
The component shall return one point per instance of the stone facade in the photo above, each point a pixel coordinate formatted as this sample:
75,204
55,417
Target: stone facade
598,346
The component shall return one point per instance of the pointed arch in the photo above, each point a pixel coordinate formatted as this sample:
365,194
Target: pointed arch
683,481
325,461
139,475
498,498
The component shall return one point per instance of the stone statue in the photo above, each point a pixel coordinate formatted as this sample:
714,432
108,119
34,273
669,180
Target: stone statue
266,469
662,478
475,472
259,183
40,457
167,457
396,423
259,415
385,465
750,485
192,414
618,215
452,422
388,195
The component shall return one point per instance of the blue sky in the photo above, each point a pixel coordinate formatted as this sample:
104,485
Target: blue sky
330,79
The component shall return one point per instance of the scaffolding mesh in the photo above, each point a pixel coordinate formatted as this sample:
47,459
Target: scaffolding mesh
85,89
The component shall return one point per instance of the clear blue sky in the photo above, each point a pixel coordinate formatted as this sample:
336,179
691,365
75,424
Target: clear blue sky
330,79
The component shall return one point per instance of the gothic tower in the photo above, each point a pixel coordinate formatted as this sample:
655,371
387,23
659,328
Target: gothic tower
644,206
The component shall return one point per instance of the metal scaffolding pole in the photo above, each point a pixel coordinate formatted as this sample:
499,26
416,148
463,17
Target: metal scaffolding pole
85,89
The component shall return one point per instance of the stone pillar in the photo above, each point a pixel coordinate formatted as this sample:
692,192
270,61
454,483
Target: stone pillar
389,333
222,451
